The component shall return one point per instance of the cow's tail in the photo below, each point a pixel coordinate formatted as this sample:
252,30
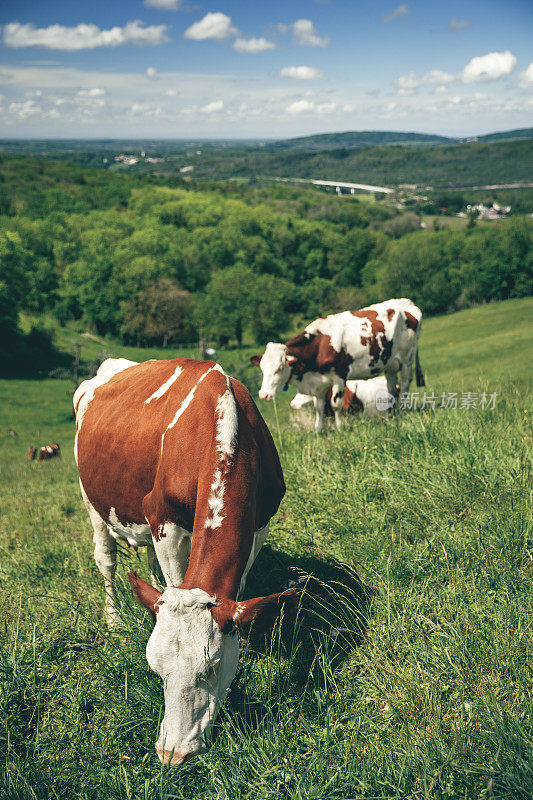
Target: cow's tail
418,370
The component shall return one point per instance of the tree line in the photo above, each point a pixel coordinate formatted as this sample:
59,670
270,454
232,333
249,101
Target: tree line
148,262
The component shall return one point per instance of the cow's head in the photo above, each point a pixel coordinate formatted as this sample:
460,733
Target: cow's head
194,648
276,366
300,400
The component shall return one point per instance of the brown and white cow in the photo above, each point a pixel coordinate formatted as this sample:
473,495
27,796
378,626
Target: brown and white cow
174,455
378,339
44,453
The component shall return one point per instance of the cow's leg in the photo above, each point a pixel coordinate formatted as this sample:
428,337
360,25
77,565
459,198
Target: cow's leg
172,547
392,385
259,540
105,555
319,404
406,376
155,572
337,397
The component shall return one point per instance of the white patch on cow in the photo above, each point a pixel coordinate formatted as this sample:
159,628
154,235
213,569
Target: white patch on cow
226,435
197,663
367,391
85,391
226,413
216,501
135,533
172,545
184,405
165,386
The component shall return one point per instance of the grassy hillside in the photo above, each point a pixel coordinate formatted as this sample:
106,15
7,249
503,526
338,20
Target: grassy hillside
412,681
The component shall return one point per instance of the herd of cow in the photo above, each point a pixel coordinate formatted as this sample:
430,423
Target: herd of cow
175,456
337,358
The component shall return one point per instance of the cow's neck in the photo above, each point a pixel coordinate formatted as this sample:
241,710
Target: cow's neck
223,532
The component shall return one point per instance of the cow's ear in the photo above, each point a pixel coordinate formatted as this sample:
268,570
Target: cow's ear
257,615
255,360
292,359
145,594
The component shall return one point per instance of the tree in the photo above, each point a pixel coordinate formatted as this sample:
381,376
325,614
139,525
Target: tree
163,312
226,302
271,303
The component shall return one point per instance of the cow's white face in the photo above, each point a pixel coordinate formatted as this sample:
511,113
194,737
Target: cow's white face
197,663
300,400
276,370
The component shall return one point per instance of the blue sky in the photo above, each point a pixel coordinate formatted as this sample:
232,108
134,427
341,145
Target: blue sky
173,68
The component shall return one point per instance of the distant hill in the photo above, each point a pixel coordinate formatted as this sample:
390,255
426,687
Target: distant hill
348,139
502,136
440,166
325,141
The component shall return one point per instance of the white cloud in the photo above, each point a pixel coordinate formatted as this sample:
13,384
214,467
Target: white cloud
526,78
211,108
413,81
82,37
151,73
489,67
24,109
164,5
300,107
171,93
305,33
456,25
253,45
301,73
399,11
214,25
95,92
326,108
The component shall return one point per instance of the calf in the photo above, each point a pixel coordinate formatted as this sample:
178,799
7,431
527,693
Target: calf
174,455
379,339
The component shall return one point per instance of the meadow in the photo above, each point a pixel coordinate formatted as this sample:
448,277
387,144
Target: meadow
408,671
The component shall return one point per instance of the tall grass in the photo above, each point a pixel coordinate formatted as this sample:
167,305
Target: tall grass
407,673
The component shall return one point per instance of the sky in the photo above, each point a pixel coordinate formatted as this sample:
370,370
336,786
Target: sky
246,69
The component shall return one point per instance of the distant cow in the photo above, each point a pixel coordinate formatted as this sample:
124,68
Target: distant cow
174,455
359,396
379,339
44,453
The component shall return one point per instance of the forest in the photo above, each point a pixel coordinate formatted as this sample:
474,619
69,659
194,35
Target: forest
150,260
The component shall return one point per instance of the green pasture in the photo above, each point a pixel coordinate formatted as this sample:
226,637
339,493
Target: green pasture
408,671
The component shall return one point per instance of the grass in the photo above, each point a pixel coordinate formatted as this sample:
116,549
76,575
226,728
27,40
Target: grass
408,673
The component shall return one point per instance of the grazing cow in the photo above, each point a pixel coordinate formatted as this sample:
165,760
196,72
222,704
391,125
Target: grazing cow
44,453
49,451
379,339
174,455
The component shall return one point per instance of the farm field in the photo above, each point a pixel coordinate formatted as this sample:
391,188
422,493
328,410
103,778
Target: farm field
408,673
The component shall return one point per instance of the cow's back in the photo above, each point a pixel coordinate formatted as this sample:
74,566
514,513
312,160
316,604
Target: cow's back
120,434
147,431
